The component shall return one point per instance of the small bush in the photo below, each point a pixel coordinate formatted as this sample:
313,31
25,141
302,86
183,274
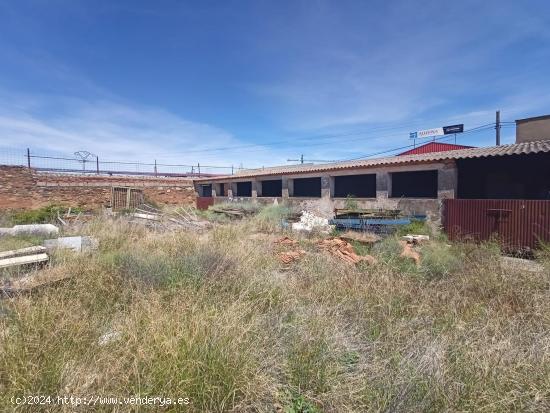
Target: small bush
416,227
42,215
439,260
297,403
270,217
351,203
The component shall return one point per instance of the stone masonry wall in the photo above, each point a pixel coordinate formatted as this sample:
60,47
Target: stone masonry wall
24,188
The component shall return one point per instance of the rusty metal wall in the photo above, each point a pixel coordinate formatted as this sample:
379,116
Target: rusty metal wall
203,202
516,223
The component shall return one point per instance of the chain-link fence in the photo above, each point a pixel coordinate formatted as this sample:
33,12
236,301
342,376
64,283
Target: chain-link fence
87,163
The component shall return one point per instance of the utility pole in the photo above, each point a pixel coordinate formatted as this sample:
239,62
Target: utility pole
497,127
301,160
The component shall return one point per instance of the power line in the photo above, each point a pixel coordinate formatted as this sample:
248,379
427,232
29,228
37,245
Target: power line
307,138
476,129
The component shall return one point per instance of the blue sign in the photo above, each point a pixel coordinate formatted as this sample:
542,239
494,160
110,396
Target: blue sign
413,135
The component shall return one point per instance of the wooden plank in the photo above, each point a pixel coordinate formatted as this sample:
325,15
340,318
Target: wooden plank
27,259
32,281
22,251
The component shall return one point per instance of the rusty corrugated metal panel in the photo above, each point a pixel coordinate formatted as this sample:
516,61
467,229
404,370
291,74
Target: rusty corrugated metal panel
203,202
434,147
516,223
512,149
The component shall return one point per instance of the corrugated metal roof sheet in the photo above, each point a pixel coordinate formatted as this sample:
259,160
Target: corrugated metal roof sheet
512,149
434,147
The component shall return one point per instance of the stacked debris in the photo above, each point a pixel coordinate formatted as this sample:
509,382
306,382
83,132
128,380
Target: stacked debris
36,257
23,256
344,250
72,218
379,221
310,222
236,211
292,253
183,217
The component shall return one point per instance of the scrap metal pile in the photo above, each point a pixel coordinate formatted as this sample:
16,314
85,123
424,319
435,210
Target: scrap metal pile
380,221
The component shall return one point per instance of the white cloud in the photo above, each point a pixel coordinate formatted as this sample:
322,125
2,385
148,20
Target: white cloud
119,131
400,64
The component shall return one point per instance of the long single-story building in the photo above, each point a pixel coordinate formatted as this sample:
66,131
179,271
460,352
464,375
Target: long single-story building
414,184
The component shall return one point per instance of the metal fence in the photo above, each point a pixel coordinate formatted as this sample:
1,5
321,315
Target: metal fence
515,223
87,163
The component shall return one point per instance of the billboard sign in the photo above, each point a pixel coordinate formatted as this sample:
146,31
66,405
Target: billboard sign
447,130
432,133
427,133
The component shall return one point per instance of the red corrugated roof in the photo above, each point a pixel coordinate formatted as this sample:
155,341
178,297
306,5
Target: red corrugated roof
434,147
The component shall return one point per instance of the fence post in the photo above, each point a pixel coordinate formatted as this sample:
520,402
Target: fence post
28,158
128,197
231,169
97,164
199,169
155,167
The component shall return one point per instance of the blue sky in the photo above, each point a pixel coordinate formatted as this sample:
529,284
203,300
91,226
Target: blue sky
257,82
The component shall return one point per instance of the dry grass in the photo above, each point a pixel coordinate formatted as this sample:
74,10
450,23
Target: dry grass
215,318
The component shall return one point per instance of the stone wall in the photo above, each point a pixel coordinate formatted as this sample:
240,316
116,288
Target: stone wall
24,188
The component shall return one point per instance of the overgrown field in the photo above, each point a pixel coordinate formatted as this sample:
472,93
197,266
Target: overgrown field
217,318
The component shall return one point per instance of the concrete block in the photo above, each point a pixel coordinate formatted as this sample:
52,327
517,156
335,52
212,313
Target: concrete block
77,244
32,229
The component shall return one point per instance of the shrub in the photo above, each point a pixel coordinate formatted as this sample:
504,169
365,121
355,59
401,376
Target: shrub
271,217
439,260
351,203
416,227
42,215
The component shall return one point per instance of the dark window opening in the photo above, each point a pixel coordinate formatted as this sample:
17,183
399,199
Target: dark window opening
206,190
415,184
307,187
272,187
244,188
222,190
505,177
359,186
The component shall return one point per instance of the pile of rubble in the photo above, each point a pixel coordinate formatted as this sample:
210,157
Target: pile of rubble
233,211
335,246
181,217
310,222
291,252
71,218
344,250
